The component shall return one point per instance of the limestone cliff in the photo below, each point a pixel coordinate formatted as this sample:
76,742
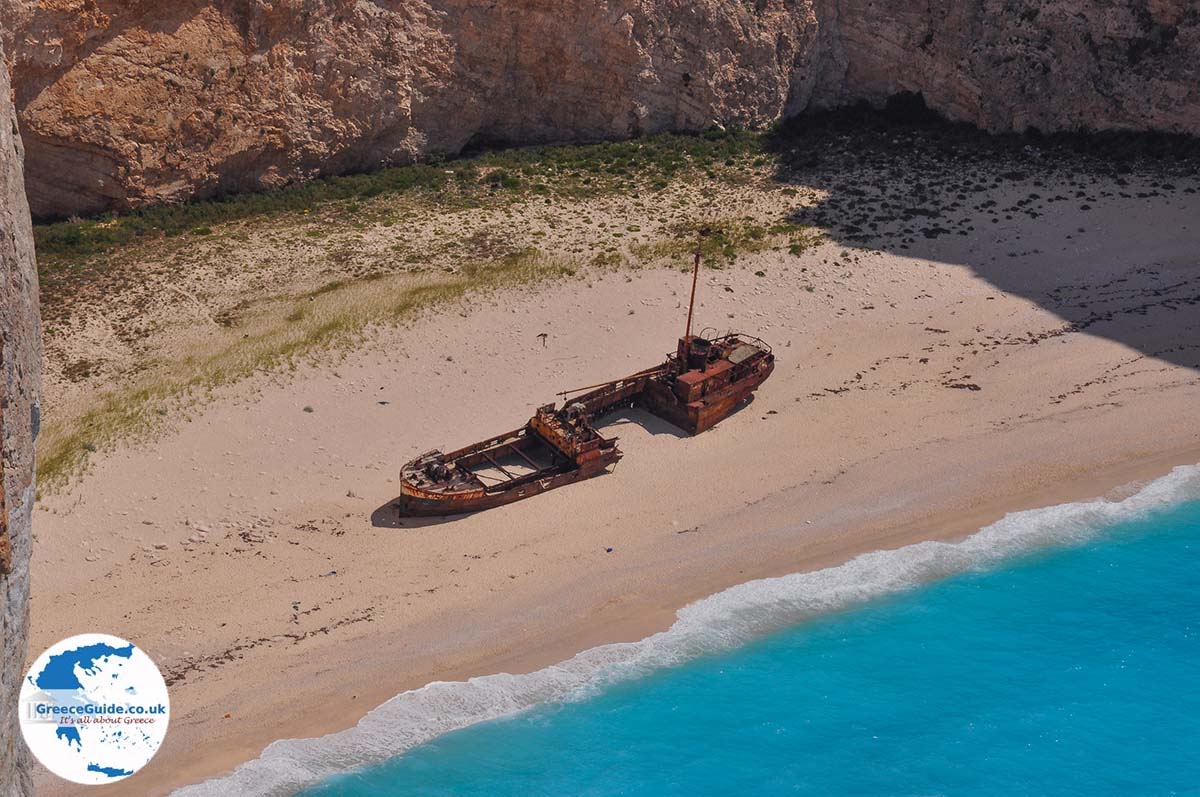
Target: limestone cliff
127,102
20,364
1007,65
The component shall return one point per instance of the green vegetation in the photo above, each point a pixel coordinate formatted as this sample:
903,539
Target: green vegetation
471,181
723,240
275,336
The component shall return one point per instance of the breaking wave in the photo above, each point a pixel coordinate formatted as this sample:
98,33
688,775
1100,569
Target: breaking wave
717,623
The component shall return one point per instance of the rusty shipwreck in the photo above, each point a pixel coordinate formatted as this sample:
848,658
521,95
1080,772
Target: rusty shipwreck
703,381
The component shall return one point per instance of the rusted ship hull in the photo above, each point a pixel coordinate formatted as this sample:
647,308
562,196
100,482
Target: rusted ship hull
699,416
419,505
701,383
552,450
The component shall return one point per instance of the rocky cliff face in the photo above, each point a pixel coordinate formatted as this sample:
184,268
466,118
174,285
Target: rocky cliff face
127,102
1007,65
20,363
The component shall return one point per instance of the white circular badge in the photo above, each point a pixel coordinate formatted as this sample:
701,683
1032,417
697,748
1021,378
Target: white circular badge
94,709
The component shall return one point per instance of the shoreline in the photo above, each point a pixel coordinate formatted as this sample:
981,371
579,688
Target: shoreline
636,622
641,622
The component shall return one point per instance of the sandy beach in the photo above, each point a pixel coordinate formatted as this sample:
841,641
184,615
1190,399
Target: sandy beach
926,384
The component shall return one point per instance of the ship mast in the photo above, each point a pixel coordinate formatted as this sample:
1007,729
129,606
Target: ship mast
692,303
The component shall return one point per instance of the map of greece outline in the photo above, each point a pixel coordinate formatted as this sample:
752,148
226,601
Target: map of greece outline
94,709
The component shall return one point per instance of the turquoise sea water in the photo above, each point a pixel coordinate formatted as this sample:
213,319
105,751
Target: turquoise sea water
1071,671
1056,652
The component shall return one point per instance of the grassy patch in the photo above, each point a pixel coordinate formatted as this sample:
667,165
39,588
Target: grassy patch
268,339
721,241
471,181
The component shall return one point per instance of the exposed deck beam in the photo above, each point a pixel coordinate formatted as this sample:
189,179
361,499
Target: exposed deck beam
523,456
496,464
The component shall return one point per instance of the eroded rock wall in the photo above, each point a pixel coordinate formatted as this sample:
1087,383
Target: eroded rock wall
20,363
1007,65
127,102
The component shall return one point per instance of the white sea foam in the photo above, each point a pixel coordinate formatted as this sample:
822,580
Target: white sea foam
716,623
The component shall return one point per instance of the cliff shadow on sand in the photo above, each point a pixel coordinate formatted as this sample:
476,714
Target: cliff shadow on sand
1101,229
